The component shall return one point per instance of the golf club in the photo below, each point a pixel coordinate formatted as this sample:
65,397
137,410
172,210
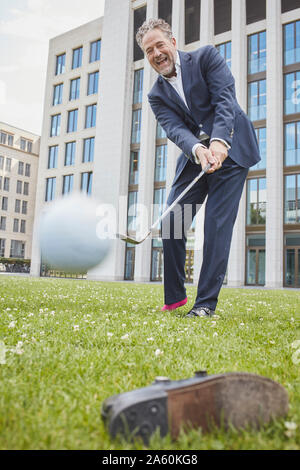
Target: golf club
135,241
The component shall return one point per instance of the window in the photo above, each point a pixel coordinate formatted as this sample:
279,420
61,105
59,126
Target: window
22,144
55,125
26,189
192,20
20,168
50,189
19,187
256,201
291,43
86,182
29,146
95,49
74,89
2,247
1,163
1,182
256,260
57,94
165,10
292,260
138,19
129,262
70,153
159,202
292,144
77,58
160,163
3,137
287,5
261,135
138,86
60,64
255,10
93,83
257,53
222,16
72,120
4,204
257,99
23,226
136,126
6,183
67,184
88,150
134,167
90,115
16,225
292,199
24,207
292,93
52,156
10,140
225,51
132,210
17,205
2,223
27,169
157,260
17,249
8,164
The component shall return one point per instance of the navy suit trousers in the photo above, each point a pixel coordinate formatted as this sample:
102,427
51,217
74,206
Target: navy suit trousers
223,190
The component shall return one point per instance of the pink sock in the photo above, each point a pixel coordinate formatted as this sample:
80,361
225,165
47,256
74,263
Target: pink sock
174,306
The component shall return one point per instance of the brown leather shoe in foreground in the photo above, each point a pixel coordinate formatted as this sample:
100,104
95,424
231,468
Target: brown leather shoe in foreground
239,399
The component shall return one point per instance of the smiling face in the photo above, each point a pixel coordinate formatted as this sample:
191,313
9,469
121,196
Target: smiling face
160,51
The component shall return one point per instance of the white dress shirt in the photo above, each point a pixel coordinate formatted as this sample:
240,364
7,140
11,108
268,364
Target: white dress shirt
176,83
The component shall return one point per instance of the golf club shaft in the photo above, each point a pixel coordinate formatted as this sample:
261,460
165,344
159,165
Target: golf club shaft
186,190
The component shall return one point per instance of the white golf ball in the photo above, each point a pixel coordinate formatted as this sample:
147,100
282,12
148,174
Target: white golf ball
69,234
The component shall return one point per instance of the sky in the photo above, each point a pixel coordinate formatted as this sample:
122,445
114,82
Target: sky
25,29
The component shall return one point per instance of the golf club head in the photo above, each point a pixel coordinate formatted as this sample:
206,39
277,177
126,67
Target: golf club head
133,241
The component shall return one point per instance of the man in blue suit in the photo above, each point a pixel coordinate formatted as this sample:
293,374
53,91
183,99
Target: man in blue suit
194,101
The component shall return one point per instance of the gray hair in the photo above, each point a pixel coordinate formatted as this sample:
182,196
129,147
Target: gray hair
151,24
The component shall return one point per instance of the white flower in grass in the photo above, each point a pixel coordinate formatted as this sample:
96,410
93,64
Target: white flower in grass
12,324
145,323
109,334
242,324
150,339
123,325
76,327
215,334
125,336
158,353
290,428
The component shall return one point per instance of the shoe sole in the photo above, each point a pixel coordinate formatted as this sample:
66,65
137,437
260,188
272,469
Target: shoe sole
233,399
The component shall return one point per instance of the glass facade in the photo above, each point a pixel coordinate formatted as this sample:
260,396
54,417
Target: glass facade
160,163
67,184
88,150
86,182
261,134
55,125
257,53
138,86
256,260
132,210
60,64
134,167
292,260
52,156
136,126
192,20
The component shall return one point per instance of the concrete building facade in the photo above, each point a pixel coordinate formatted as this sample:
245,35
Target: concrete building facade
134,162
19,156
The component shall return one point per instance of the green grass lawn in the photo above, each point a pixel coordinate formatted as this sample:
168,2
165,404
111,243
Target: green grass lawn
71,344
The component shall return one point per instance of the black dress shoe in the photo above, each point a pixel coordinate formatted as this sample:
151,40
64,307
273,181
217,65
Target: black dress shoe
200,312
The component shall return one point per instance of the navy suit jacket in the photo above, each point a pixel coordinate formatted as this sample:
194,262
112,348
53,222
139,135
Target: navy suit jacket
212,107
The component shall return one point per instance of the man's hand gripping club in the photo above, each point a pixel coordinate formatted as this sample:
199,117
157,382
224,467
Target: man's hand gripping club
215,155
